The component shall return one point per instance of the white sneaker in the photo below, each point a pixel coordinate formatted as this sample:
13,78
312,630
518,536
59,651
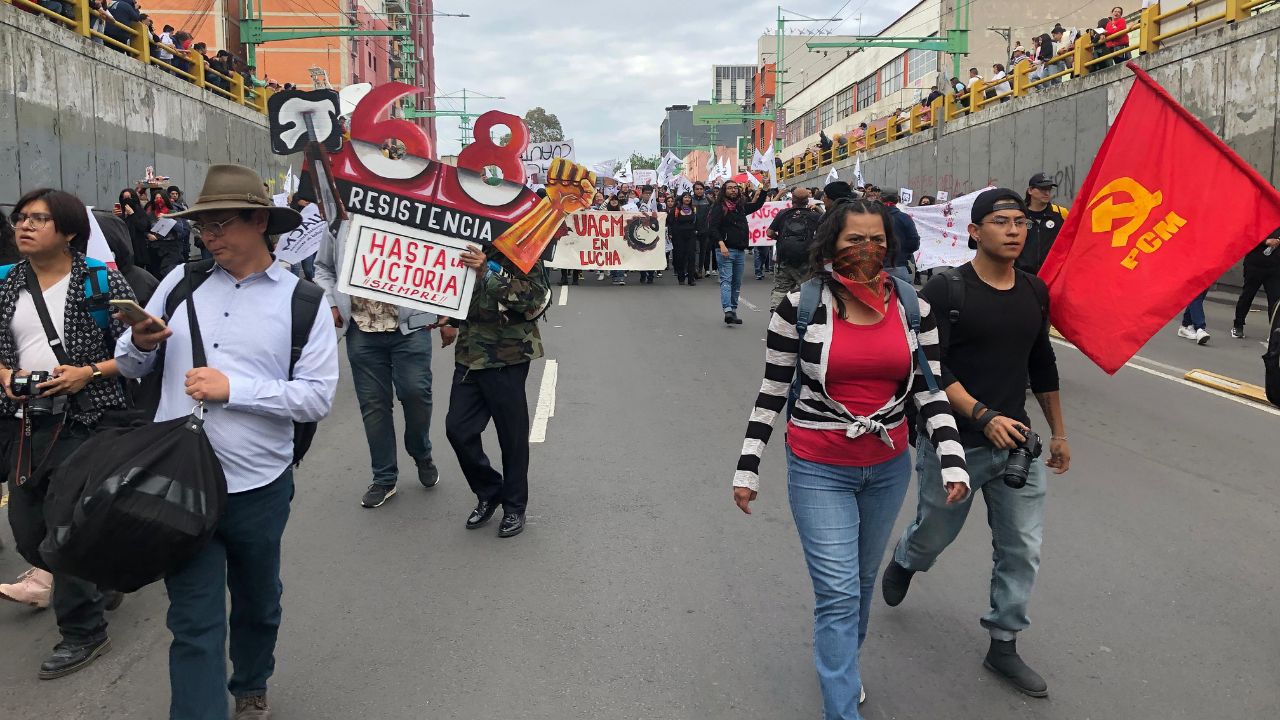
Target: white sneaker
1202,337
862,695
1188,332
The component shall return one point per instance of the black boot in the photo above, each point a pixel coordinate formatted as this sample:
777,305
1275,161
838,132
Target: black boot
895,583
728,318
69,657
1002,659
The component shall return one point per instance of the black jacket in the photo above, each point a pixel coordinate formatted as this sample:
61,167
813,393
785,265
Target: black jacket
680,226
701,208
140,281
905,236
1258,261
1041,233
731,228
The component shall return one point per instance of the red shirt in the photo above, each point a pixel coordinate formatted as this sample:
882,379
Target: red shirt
865,366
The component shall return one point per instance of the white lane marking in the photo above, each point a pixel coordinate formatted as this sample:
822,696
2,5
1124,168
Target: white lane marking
546,403
564,295
1188,383
749,304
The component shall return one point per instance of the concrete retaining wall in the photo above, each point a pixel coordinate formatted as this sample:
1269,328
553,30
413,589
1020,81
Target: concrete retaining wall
1228,78
81,117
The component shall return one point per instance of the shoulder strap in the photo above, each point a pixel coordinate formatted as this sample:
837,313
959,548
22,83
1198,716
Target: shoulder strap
810,296
911,305
198,359
194,276
955,293
303,307
1040,289
50,332
97,291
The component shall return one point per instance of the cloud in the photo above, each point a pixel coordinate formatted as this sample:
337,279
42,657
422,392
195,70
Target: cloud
607,70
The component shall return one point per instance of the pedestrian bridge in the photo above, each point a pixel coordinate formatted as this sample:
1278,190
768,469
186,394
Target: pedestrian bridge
88,119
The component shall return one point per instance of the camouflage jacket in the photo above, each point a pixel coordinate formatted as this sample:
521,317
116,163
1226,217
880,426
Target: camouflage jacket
494,335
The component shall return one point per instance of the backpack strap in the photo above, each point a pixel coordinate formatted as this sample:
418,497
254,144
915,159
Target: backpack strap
199,273
955,293
97,292
303,307
810,296
911,305
1040,289
5,270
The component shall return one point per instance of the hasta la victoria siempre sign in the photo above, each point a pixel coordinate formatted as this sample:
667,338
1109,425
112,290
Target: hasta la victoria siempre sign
406,218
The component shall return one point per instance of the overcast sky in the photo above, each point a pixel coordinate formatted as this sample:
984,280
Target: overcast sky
608,69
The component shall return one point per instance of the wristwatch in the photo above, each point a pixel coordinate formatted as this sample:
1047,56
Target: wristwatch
97,374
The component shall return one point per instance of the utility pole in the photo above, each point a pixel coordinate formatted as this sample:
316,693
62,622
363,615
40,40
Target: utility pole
954,42
1007,34
464,116
779,72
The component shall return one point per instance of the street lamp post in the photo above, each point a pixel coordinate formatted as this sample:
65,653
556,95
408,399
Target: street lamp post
778,70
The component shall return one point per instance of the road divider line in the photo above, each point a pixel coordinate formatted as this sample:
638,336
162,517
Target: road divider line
1266,408
749,304
564,295
546,408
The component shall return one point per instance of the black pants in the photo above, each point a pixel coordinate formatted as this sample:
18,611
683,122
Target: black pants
706,253
77,605
1255,278
477,396
686,256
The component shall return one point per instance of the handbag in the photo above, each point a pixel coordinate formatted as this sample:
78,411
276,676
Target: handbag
131,506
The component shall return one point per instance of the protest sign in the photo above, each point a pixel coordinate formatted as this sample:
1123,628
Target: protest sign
406,266
944,234
297,245
645,176
906,195
163,226
601,240
758,222
537,157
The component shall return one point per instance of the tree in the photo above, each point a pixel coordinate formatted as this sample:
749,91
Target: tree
644,162
543,126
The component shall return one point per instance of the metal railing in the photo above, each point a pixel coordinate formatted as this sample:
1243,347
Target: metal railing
135,41
1144,37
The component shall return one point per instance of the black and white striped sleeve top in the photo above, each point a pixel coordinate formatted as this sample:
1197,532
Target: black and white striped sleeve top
815,410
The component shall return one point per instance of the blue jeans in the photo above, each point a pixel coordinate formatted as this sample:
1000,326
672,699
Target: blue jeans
1016,518
844,516
1194,314
243,556
731,269
380,362
764,259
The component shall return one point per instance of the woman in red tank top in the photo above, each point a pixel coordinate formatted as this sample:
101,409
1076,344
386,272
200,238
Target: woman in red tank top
848,459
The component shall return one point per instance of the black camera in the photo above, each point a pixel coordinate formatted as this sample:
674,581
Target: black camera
1020,459
27,385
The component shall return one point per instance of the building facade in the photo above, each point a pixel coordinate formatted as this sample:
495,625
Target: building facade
678,133
732,84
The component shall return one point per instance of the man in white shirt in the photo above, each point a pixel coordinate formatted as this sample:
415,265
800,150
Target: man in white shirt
252,398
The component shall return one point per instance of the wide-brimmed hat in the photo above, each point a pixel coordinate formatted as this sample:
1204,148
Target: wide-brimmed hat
236,187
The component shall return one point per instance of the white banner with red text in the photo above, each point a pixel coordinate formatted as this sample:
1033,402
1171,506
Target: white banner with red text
759,221
406,266
602,240
944,232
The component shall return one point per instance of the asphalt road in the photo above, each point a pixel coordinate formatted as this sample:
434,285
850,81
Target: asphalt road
640,591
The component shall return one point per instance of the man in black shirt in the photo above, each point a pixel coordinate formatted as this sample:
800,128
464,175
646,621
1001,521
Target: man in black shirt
793,231
994,335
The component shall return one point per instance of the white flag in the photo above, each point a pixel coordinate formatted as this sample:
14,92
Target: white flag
291,182
772,166
857,172
758,162
751,178
606,168
98,249
623,175
833,176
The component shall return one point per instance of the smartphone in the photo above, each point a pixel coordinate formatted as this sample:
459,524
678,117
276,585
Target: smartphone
132,312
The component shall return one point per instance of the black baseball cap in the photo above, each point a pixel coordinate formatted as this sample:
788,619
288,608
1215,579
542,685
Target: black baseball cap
989,201
838,190
1041,180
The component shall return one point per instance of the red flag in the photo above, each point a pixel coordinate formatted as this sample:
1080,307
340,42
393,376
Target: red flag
1167,208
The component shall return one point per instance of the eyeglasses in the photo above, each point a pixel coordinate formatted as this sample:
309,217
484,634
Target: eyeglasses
212,228
35,220
1003,223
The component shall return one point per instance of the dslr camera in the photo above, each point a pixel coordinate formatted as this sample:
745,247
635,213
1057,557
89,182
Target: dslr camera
28,386
1020,459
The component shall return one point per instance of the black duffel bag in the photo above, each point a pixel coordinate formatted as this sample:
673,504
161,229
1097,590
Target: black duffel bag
131,506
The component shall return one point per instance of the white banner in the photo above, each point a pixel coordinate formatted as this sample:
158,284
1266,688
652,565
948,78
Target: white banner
297,245
602,240
538,156
944,233
645,176
406,266
759,221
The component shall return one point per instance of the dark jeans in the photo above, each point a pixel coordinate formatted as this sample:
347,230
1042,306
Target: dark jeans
1254,279
763,260
686,256
243,556
477,396
379,363
1193,316
77,605
707,253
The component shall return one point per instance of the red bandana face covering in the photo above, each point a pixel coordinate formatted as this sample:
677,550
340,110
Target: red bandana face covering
860,269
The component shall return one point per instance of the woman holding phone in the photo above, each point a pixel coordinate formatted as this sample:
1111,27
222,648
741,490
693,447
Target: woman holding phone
848,456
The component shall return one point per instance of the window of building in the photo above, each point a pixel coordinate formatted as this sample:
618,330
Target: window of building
867,92
826,113
891,77
844,103
810,123
922,67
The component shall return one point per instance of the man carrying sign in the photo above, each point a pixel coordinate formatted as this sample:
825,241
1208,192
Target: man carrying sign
496,343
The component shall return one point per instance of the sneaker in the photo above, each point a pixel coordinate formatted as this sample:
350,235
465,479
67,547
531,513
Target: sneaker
1238,332
254,707
660,272
1202,337
600,275
377,495
862,695
428,474
1188,332
32,588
